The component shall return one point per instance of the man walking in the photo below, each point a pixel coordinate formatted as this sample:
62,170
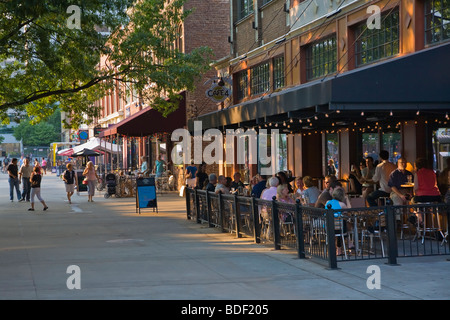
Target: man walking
24,175
13,179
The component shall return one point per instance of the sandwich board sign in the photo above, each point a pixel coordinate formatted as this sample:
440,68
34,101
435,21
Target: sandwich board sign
146,194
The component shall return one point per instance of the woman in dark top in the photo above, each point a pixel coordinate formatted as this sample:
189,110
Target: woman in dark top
35,180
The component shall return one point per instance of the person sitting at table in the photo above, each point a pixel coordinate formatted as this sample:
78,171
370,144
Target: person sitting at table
444,182
355,186
237,181
260,186
282,177
283,194
211,186
329,182
299,186
425,183
381,175
367,173
144,166
270,192
228,182
311,193
221,185
338,201
399,195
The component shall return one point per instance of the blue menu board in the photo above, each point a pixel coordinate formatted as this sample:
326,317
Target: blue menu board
146,194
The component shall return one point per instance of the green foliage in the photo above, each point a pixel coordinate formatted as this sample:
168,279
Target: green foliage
45,64
43,133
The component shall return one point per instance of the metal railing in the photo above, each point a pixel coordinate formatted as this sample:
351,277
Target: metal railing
327,235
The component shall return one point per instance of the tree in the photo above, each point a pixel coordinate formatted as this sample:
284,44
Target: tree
50,56
40,134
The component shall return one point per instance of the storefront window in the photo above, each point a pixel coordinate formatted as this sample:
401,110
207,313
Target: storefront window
392,144
278,73
375,44
441,148
437,21
370,145
332,149
321,58
259,77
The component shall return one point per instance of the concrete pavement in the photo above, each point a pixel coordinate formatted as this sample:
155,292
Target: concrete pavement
123,255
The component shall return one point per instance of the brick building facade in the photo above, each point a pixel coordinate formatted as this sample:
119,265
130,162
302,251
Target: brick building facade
329,82
207,25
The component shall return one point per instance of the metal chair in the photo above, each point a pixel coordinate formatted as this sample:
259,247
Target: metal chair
339,231
375,230
432,225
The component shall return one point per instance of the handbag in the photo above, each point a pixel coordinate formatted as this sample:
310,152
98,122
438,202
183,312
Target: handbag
85,181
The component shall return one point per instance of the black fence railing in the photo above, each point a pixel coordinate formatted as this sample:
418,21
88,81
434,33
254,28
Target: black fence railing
328,235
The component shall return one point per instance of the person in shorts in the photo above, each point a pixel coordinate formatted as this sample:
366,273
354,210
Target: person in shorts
70,180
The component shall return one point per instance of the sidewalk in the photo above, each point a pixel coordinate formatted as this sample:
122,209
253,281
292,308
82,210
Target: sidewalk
124,255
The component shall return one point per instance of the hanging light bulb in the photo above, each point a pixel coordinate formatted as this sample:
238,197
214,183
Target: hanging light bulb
362,113
391,113
418,112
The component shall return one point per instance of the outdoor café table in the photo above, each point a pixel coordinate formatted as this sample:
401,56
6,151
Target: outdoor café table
410,189
409,186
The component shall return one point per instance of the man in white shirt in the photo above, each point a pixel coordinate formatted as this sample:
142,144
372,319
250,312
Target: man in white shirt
25,174
382,173
220,187
271,192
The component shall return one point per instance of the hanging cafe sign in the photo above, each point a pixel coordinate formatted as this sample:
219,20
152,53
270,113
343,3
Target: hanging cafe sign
218,91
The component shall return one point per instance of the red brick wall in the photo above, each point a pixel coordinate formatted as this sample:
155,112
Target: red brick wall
273,21
207,25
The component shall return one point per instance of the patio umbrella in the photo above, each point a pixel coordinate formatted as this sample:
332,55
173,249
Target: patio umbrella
86,153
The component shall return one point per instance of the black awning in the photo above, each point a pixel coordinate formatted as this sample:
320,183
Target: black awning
417,81
149,121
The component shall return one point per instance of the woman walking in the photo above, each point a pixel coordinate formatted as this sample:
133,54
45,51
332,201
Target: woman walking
92,178
70,179
35,180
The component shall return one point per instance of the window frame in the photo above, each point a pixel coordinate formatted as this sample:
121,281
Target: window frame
260,78
371,37
431,12
323,68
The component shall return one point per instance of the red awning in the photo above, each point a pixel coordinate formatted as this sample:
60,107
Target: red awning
149,121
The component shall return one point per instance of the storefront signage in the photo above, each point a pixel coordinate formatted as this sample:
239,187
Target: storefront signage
218,93
146,194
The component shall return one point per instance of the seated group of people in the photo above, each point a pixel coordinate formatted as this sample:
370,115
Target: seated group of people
397,183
